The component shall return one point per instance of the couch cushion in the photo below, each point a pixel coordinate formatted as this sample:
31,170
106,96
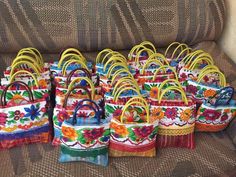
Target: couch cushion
214,155
94,25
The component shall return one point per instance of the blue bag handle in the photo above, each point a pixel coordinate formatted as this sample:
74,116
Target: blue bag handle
95,109
222,97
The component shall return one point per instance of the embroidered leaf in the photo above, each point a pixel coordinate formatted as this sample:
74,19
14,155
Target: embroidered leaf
106,133
26,93
201,118
38,95
139,110
202,109
147,87
109,109
9,96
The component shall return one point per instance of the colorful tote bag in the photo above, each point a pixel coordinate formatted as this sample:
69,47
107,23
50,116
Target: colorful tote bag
216,112
130,137
176,115
85,139
24,121
206,84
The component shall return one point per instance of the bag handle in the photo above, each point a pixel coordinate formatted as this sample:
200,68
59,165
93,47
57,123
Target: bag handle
198,60
30,65
184,52
151,46
30,54
209,67
149,51
22,72
27,59
118,72
116,96
95,109
164,67
126,79
71,52
174,88
199,57
134,50
170,46
3,101
114,65
149,62
159,57
32,51
192,55
69,62
132,102
100,54
165,82
113,54
179,47
114,59
128,83
221,76
88,81
72,57
85,71
71,90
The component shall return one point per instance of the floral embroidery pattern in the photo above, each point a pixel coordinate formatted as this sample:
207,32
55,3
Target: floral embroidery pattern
171,113
131,116
62,115
3,119
154,92
186,114
69,133
157,114
209,93
211,115
33,112
191,89
143,132
120,130
94,133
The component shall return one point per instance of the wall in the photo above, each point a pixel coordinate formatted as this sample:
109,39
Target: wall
228,38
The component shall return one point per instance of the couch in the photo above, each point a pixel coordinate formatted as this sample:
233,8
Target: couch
92,25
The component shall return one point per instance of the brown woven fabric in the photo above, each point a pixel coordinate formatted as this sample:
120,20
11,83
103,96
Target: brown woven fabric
214,155
92,25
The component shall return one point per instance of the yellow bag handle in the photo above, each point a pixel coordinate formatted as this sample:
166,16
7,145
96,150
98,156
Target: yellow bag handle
186,50
169,47
208,67
27,72
114,59
148,62
149,51
118,72
198,60
37,55
184,97
72,57
146,107
179,47
201,55
89,81
190,56
30,65
124,85
27,58
116,96
100,54
148,43
130,81
113,54
69,62
138,98
159,57
165,67
74,51
114,65
134,50
165,82
221,76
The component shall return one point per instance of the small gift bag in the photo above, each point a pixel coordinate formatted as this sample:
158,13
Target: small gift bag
215,113
23,121
176,114
206,84
175,52
139,54
85,138
125,89
131,136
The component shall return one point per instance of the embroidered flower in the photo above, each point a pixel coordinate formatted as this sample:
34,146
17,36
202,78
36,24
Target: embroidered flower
119,129
171,113
209,93
186,114
183,76
69,132
117,112
143,132
211,114
154,92
206,78
141,81
43,83
191,89
82,114
157,114
32,112
94,133
3,119
224,117
62,115
131,116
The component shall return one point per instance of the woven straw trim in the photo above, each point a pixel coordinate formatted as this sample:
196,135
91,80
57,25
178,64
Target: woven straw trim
174,132
116,153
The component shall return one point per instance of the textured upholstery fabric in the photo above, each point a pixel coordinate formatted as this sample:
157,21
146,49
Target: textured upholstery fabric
92,25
